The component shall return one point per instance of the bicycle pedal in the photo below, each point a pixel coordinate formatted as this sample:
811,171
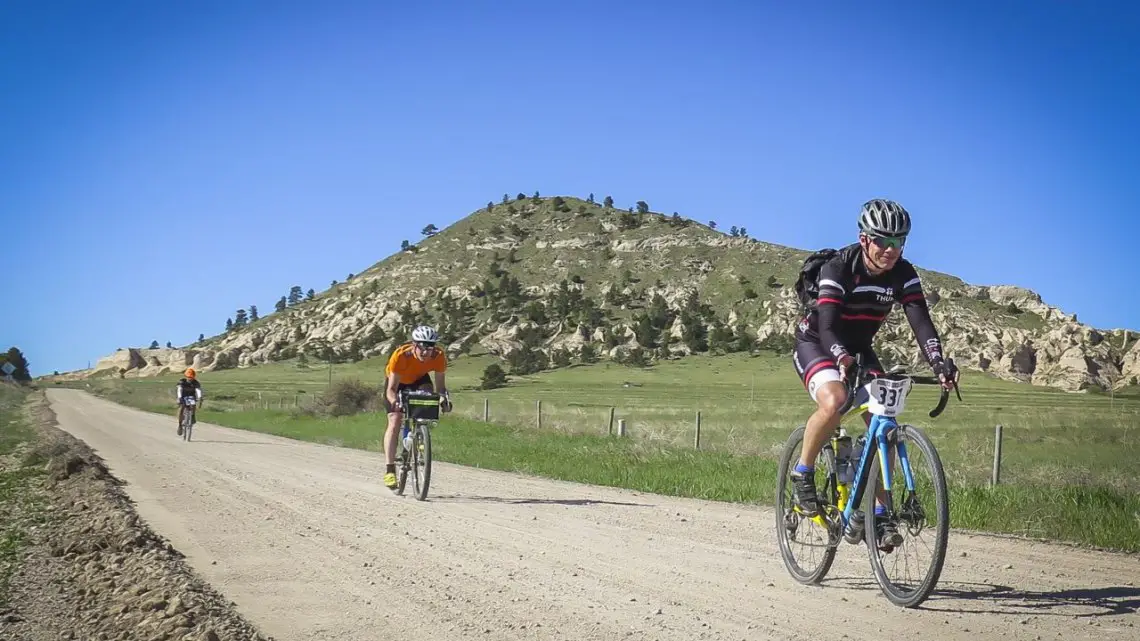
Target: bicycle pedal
791,522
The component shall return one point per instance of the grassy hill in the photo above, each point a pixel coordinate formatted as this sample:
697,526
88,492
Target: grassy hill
545,282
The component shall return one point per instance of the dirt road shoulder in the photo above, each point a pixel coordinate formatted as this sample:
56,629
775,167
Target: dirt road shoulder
80,562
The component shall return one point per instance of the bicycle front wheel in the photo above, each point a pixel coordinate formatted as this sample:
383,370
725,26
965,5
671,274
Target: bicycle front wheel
421,460
922,515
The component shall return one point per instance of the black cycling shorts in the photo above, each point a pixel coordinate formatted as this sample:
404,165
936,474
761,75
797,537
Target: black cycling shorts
815,365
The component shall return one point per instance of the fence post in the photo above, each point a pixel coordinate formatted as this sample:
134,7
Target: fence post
996,478
486,410
611,431
697,435
621,427
538,413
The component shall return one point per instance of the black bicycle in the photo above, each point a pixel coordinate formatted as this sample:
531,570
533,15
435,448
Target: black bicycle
421,412
190,404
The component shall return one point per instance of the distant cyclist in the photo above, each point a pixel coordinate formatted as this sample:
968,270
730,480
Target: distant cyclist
188,387
409,367
857,288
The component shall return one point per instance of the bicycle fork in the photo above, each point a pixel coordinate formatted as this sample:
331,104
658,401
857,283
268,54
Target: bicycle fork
883,432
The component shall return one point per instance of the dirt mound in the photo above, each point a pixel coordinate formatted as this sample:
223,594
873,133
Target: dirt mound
91,568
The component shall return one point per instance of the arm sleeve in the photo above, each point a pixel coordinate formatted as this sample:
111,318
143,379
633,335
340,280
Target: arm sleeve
832,292
913,301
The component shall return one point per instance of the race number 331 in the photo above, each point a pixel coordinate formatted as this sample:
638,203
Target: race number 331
887,397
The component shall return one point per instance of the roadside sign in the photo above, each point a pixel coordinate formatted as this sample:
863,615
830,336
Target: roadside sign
8,368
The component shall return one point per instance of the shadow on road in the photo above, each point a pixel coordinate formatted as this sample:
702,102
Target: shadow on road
1103,601
206,440
1003,599
460,498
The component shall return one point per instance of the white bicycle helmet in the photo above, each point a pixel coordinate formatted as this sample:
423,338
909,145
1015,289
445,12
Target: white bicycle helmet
425,334
884,218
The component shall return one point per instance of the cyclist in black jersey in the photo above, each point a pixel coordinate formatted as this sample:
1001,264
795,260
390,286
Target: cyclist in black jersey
857,288
188,387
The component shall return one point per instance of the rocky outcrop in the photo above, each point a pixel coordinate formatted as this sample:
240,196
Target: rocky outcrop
134,362
1065,354
1130,365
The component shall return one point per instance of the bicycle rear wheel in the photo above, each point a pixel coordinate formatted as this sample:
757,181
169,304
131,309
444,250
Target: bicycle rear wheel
795,529
421,460
913,511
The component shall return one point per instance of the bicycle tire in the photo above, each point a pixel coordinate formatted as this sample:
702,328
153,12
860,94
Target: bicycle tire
788,458
402,463
187,424
421,436
910,599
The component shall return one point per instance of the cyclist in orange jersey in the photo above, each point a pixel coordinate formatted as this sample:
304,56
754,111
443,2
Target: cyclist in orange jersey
410,367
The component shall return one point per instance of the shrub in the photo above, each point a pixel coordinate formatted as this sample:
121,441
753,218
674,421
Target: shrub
347,397
493,377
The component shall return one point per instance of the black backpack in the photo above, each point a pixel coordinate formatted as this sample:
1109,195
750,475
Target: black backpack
807,285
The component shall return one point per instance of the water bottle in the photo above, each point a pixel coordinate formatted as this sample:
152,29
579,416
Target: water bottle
406,434
844,464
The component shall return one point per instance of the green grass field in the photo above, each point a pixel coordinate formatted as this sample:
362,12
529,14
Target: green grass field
1069,464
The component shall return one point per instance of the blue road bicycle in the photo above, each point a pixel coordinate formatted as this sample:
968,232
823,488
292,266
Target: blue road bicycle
854,480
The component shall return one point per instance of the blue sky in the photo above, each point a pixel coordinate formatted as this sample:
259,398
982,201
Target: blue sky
163,164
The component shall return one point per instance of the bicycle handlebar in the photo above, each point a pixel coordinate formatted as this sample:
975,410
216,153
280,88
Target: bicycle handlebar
402,398
943,397
862,376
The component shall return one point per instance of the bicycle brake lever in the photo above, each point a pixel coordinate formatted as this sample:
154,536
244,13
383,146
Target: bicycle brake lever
957,377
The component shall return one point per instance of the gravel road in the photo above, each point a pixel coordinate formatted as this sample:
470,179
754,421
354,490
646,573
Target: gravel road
310,545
